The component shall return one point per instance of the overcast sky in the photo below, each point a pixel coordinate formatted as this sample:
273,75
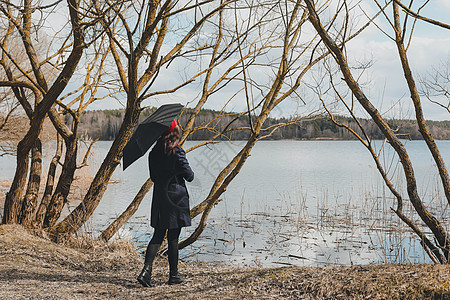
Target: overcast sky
430,48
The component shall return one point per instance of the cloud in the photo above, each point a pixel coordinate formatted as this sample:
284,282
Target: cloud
385,82
444,3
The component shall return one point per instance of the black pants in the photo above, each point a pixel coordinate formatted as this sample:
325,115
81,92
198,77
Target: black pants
159,234
172,244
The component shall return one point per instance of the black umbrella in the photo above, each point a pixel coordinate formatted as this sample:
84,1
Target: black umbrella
148,131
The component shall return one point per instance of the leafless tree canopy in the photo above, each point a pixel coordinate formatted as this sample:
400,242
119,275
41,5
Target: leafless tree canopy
250,55
437,243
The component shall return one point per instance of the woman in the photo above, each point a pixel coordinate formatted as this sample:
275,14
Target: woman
169,169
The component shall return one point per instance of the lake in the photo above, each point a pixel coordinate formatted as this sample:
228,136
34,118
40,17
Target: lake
295,202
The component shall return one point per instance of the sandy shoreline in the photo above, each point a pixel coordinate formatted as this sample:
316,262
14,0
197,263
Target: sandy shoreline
32,267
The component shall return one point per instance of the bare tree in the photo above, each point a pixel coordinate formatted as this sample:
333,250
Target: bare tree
436,86
249,49
438,250
45,95
136,48
282,29
187,130
80,99
46,76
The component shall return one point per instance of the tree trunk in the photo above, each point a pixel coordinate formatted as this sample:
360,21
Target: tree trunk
64,183
84,210
229,172
209,203
42,211
30,202
13,200
426,134
125,216
432,223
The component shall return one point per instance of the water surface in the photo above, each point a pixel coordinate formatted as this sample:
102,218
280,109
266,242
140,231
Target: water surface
294,202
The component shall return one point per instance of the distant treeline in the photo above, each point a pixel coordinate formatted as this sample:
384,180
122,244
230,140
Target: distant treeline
105,125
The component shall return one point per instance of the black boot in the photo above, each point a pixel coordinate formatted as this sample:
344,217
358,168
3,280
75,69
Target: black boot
172,253
176,278
145,276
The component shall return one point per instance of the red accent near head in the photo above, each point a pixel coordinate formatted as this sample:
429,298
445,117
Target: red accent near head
172,126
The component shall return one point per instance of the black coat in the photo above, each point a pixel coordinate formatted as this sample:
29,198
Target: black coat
170,204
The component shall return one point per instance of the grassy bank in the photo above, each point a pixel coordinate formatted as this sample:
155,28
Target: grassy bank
32,267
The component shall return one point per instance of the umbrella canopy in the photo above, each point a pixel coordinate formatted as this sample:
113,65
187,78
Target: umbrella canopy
148,131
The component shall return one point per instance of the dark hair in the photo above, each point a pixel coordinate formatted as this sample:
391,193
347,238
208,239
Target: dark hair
170,140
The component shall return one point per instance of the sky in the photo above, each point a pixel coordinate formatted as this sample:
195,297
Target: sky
429,50
384,82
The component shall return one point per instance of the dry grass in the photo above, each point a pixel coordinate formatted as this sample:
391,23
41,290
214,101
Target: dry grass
32,267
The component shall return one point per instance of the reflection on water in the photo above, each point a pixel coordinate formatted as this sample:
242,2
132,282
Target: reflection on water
265,240
294,202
